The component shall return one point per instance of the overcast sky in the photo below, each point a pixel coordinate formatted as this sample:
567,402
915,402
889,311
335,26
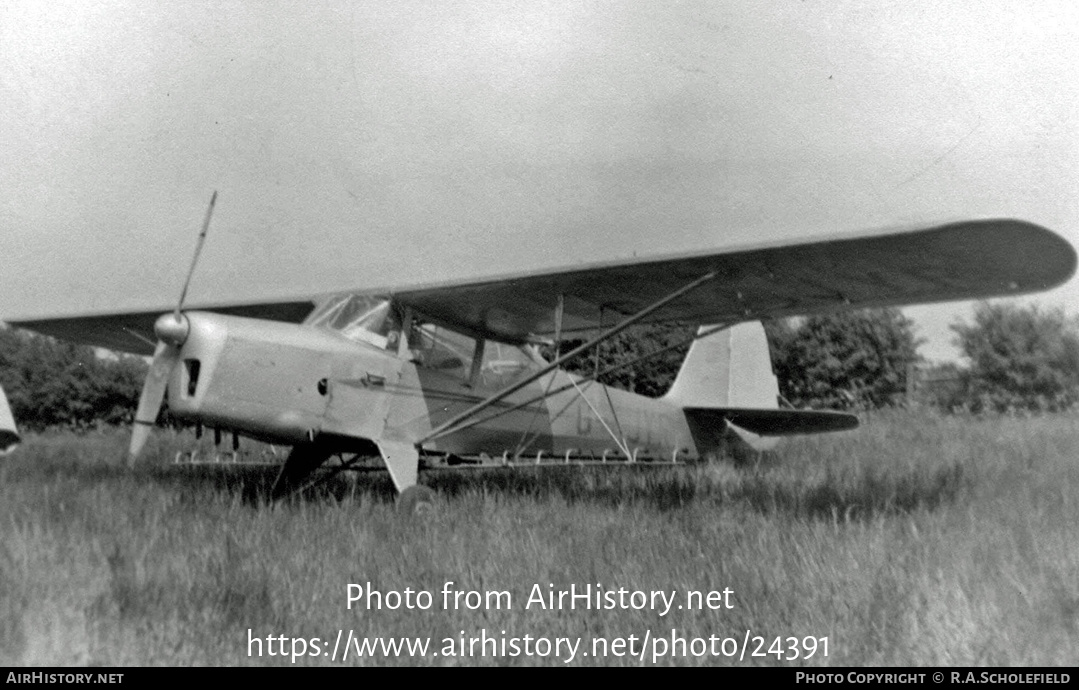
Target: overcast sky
371,144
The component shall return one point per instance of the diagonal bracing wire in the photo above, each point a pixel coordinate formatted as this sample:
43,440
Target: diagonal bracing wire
457,419
466,424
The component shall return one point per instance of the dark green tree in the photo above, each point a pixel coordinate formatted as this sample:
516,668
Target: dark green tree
652,377
53,383
1021,358
845,360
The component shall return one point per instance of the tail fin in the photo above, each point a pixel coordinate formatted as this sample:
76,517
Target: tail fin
729,394
729,369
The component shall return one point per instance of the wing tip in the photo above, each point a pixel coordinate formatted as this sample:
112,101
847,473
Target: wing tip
1036,247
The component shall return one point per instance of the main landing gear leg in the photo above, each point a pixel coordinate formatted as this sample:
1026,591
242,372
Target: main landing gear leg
304,459
403,461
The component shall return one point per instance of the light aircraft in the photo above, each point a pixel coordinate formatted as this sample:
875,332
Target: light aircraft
453,372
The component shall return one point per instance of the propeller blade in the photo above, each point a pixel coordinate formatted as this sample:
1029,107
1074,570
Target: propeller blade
166,356
171,334
198,250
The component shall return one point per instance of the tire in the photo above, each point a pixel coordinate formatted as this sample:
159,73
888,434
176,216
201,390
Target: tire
416,501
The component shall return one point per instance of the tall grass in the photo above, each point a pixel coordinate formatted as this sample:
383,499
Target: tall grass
916,539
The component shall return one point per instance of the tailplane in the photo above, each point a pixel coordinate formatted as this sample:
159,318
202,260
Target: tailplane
731,397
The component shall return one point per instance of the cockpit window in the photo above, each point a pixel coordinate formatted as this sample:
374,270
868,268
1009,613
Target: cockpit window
449,352
366,318
508,361
377,321
438,348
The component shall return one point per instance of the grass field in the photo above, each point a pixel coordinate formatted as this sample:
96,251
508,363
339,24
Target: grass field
917,539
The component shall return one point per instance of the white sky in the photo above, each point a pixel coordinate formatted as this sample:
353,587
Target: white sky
360,145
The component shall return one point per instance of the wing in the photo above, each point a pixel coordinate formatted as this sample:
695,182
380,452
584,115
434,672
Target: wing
134,331
955,261
964,260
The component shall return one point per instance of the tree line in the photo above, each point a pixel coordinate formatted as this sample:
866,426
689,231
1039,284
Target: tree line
1018,359
51,383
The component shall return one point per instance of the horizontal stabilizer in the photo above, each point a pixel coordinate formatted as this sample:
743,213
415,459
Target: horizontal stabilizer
773,422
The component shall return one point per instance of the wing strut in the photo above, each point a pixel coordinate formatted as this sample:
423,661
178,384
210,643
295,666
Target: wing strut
610,332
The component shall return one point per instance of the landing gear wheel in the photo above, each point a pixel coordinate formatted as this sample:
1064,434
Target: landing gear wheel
416,501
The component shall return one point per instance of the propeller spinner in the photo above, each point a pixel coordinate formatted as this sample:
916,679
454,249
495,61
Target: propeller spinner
171,331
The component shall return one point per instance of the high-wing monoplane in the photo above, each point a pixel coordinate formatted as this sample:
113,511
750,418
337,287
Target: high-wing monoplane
454,371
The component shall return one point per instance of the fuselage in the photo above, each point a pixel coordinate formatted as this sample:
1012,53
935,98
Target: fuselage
287,383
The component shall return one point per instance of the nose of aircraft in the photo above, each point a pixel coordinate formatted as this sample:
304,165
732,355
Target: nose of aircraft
172,329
